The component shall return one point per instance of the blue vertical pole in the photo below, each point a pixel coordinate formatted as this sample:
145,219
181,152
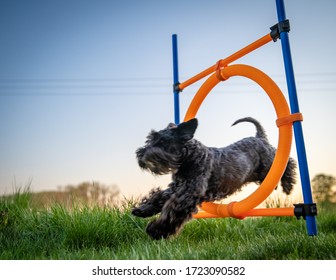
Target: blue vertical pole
298,133
176,81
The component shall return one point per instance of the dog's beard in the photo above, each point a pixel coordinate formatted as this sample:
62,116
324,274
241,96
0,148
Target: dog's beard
158,161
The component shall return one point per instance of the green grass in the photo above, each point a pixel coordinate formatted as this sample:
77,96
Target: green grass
28,232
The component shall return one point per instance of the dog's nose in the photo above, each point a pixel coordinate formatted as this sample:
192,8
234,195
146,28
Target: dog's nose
140,153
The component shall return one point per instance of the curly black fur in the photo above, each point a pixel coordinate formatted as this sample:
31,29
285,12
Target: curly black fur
200,173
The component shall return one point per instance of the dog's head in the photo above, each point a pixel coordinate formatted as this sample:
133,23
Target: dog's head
165,150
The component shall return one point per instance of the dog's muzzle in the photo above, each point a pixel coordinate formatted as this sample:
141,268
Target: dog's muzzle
157,161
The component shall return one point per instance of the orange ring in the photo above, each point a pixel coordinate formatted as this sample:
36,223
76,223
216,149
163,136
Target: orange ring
239,209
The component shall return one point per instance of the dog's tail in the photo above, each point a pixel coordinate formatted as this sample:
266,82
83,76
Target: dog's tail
260,130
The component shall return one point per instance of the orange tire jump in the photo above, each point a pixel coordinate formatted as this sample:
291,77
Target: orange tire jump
246,206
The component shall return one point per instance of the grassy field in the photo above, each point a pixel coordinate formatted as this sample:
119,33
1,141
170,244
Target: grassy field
28,232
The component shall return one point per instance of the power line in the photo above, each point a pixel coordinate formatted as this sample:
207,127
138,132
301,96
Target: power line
121,86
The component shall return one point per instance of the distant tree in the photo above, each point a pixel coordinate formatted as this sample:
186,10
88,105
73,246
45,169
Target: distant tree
323,185
93,193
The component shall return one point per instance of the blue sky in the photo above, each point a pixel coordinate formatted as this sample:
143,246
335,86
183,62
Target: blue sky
83,82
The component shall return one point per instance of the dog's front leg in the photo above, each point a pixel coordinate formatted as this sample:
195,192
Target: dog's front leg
177,210
153,204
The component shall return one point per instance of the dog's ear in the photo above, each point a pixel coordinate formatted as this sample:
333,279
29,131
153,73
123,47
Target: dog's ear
185,131
171,125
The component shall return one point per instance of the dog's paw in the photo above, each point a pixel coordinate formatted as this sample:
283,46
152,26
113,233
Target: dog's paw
138,212
156,231
144,211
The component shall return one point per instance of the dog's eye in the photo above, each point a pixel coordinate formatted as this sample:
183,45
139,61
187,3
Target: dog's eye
174,150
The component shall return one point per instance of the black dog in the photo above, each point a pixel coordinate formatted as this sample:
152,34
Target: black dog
200,173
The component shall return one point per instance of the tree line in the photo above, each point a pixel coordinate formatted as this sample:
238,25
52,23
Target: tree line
323,186
86,193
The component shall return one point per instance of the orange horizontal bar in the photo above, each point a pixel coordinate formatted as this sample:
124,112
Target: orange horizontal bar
277,212
259,212
197,77
244,51
224,62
